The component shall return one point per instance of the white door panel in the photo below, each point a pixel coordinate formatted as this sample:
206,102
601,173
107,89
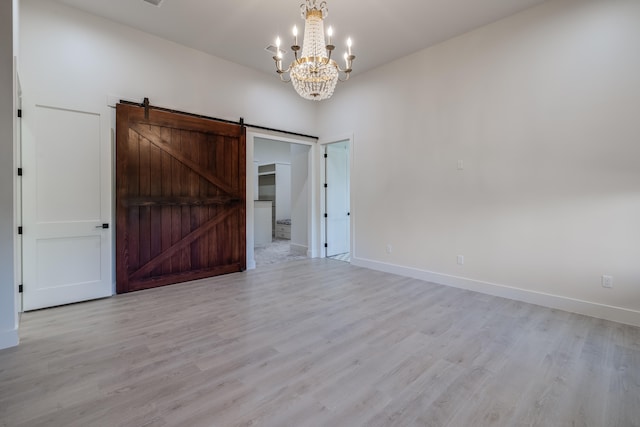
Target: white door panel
68,166
67,253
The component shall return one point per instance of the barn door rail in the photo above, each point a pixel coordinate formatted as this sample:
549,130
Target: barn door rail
146,105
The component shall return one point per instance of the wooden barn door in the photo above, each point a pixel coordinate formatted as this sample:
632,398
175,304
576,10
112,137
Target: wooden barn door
180,189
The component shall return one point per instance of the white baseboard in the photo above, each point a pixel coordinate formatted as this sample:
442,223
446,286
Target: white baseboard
8,339
600,311
298,249
251,265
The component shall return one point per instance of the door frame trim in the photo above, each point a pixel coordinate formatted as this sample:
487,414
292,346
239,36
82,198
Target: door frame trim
17,197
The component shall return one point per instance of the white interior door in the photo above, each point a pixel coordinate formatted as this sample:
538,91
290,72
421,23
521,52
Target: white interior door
337,198
67,252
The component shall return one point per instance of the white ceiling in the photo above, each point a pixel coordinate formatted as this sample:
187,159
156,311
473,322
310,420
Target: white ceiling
239,30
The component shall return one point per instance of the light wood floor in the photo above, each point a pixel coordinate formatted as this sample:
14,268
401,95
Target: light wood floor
318,343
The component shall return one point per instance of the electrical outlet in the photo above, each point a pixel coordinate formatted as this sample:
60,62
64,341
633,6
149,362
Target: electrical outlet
607,281
389,248
460,259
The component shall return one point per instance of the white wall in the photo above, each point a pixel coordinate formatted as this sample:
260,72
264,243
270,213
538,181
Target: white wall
75,58
270,151
543,108
300,198
8,311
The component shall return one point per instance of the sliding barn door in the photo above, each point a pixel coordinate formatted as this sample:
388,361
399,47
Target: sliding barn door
180,189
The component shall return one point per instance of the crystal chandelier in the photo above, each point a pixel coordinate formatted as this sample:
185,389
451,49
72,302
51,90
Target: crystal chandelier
314,74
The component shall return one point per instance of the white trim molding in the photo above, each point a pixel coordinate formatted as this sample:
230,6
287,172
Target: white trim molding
299,249
9,339
587,308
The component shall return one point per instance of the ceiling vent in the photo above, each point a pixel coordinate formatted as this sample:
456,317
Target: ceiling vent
154,2
272,49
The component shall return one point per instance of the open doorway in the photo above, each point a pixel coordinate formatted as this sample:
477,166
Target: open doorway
337,201
281,206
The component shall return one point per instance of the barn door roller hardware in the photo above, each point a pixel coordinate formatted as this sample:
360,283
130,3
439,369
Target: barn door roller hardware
145,104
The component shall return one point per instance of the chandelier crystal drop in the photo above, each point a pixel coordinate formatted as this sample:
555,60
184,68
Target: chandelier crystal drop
314,74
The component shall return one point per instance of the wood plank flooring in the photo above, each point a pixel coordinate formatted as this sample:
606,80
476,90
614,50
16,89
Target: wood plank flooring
318,343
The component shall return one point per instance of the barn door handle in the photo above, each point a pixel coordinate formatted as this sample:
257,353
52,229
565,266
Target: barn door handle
102,226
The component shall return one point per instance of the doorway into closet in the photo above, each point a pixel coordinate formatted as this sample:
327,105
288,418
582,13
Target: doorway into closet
281,200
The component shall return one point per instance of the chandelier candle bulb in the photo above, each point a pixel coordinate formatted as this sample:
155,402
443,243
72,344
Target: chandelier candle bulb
278,57
349,43
295,35
329,34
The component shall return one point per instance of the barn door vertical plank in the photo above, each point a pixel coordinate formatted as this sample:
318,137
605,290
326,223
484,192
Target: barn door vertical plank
201,214
122,254
144,171
242,175
230,153
213,210
185,214
166,177
176,211
221,230
133,190
155,191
